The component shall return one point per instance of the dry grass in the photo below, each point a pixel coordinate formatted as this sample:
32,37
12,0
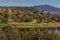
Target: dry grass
24,25
30,24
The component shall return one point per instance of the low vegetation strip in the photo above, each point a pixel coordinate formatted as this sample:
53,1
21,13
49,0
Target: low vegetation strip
24,25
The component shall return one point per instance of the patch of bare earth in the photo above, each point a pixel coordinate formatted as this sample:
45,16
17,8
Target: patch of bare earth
58,24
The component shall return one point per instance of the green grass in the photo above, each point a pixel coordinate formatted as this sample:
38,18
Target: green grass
2,25
25,25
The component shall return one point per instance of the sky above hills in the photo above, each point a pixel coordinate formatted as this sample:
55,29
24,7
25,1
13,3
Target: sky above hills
55,3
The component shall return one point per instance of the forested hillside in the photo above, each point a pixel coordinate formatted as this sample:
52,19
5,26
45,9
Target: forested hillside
26,14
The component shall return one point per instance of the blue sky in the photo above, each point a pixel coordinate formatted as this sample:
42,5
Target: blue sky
55,3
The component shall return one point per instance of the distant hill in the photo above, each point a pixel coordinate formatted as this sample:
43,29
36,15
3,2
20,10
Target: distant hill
48,8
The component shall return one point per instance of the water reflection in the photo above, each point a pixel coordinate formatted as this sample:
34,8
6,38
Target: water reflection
57,31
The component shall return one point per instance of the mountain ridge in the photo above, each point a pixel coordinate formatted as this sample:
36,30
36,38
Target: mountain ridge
48,8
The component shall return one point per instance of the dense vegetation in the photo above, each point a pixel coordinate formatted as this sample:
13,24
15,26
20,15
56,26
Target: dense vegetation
13,33
26,14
